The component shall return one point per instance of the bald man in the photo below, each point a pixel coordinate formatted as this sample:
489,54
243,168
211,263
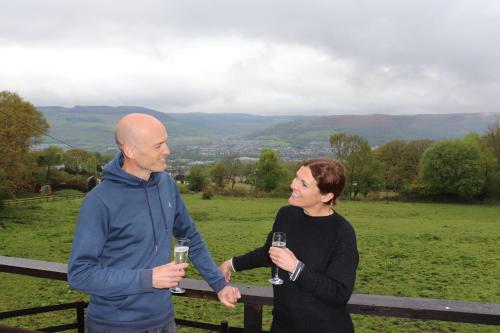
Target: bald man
122,245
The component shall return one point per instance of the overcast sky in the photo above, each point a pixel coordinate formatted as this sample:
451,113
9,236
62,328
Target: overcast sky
262,57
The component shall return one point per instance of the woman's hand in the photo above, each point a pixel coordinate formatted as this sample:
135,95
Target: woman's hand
283,258
226,268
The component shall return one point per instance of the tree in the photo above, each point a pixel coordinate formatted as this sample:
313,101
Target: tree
370,177
410,161
3,189
490,167
102,159
249,172
270,171
355,152
235,169
48,158
79,161
492,139
453,168
401,161
391,155
21,125
219,173
197,178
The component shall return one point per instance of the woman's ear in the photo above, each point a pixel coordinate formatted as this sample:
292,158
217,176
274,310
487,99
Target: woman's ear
327,197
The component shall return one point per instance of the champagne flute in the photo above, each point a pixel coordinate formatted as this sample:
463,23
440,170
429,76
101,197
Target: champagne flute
181,251
279,240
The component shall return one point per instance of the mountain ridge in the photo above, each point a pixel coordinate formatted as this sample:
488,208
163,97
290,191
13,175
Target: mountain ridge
92,127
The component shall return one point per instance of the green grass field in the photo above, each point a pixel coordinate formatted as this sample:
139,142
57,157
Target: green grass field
447,251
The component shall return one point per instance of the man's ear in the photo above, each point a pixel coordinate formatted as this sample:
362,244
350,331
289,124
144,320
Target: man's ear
327,197
129,151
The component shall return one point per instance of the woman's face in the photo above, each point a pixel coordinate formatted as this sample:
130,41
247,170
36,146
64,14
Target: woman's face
305,192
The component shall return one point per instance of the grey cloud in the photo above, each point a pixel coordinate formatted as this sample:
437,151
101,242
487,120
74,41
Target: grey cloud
444,55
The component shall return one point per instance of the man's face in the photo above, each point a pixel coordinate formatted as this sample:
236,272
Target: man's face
151,150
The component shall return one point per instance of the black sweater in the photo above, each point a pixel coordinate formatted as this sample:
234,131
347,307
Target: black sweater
316,300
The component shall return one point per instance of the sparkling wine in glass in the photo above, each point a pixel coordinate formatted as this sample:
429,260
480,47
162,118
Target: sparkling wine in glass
279,240
181,252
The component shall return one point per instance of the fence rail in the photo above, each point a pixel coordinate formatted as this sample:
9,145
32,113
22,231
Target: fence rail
37,199
255,297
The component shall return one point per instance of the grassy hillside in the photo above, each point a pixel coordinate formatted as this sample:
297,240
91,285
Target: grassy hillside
92,127
378,129
422,250
229,124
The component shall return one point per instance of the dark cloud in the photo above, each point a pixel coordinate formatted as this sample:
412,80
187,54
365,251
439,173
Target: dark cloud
294,56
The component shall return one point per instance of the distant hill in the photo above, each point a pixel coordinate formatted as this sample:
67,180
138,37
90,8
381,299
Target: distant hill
91,127
378,129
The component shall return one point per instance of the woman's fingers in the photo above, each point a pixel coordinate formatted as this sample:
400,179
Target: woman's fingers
283,258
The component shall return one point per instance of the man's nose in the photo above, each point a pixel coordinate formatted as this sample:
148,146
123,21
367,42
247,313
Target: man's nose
166,150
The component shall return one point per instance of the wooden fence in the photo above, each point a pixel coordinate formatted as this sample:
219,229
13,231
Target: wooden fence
255,297
38,199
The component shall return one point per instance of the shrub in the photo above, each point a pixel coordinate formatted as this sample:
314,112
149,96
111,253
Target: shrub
182,188
208,193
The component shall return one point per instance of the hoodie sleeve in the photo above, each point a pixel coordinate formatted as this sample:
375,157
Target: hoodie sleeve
198,251
85,272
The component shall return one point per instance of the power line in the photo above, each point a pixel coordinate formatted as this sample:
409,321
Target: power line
61,141
53,138
31,127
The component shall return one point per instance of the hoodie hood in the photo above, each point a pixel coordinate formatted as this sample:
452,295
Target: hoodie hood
113,172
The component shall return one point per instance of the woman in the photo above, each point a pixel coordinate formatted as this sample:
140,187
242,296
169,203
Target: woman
319,263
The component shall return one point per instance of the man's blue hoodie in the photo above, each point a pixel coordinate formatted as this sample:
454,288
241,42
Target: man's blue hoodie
124,229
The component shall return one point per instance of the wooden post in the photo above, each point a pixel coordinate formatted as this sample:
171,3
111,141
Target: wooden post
224,327
80,317
252,318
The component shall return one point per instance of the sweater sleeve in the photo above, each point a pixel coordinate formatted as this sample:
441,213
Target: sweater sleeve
85,272
334,286
256,258
198,251
260,256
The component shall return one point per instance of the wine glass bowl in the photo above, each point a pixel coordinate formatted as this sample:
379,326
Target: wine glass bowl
181,253
279,240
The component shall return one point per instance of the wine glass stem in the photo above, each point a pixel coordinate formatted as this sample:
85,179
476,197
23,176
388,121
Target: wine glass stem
276,275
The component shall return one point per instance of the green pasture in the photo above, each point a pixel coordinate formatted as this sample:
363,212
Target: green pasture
447,251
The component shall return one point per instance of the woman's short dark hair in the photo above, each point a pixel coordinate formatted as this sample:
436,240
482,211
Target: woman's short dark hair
329,174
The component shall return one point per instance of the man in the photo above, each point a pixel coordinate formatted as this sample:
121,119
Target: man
122,244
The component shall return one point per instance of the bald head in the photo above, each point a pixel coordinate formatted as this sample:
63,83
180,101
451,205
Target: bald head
143,142
134,128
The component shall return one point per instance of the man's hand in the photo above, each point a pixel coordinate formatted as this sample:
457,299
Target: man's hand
283,258
226,268
229,296
168,275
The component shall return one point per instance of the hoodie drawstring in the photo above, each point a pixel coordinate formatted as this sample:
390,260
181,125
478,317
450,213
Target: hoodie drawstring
161,204
151,214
